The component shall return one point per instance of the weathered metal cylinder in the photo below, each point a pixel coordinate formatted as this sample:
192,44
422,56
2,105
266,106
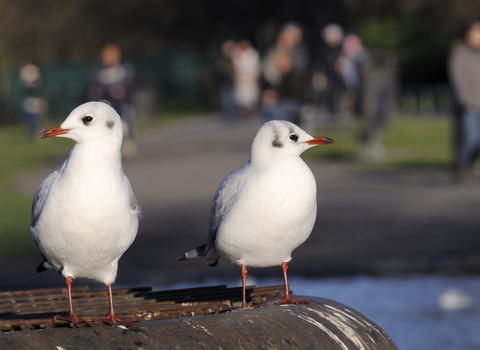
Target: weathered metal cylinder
323,324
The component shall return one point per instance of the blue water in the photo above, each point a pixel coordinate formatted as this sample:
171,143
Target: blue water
418,312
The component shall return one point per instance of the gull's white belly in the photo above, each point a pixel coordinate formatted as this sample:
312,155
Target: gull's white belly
271,217
85,237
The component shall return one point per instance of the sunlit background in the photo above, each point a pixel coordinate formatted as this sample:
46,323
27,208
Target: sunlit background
397,233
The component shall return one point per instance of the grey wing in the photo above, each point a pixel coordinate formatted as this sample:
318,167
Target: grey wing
222,203
41,196
133,201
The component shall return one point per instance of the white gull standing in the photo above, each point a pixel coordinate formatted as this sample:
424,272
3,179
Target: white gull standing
266,208
84,215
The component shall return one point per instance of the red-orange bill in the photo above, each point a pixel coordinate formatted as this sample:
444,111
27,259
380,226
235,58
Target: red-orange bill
53,132
320,140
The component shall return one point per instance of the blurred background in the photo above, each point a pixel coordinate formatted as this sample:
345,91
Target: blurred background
394,83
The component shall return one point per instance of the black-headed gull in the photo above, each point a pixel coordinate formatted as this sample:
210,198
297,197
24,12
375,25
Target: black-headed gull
84,215
266,208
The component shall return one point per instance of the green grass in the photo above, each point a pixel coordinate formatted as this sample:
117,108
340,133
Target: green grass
419,143
19,153
409,144
344,148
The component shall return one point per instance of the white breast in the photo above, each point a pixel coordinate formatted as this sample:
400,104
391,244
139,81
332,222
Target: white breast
87,223
273,214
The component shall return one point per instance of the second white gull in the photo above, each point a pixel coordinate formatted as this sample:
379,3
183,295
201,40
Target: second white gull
266,208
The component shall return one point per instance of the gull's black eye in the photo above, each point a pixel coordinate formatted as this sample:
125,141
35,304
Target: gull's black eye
87,120
293,137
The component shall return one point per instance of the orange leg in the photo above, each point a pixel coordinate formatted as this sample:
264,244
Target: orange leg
72,317
244,282
287,299
111,319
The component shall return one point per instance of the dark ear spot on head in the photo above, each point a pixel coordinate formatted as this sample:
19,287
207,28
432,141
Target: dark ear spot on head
277,143
110,124
276,139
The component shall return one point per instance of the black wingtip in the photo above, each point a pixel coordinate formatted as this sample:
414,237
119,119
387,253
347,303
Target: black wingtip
42,267
213,264
183,257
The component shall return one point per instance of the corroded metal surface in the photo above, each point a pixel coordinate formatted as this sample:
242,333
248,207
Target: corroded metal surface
33,309
323,324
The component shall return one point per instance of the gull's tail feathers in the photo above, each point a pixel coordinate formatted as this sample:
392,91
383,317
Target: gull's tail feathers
193,254
44,266
210,256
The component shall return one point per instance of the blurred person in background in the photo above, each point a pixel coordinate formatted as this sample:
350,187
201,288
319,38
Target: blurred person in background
112,82
378,86
285,76
225,76
327,82
246,64
352,58
298,51
359,73
464,71
33,103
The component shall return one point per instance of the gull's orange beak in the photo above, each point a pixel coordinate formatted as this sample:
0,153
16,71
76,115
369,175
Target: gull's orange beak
319,140
53,132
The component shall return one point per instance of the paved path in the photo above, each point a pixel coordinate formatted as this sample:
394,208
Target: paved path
368,222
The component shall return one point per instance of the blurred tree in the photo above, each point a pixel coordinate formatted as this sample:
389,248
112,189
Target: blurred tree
383,34
51,30
43,31
70,29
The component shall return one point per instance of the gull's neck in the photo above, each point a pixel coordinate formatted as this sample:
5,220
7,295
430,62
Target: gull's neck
262,158
95,156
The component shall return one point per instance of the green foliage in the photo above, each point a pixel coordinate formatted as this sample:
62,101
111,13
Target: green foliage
380,33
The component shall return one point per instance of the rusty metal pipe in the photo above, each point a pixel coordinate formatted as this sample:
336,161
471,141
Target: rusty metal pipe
324,324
